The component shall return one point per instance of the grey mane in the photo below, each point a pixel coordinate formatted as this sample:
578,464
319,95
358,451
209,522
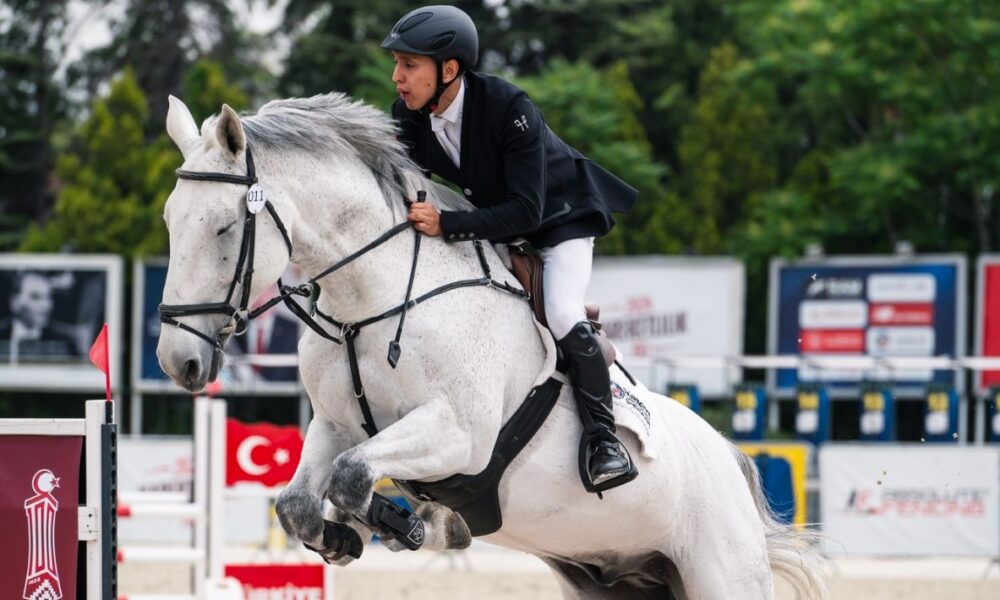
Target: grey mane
336,123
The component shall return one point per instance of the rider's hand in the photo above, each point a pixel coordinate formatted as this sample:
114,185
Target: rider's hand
426,218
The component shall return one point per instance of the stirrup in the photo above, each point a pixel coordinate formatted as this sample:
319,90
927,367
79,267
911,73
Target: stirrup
584,458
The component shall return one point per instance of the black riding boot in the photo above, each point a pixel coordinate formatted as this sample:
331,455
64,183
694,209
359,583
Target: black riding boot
604,461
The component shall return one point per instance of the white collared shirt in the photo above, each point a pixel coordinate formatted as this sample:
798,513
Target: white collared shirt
447,126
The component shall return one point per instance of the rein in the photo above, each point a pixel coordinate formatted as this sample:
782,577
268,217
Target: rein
240,316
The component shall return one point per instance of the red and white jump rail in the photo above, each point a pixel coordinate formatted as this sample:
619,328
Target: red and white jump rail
96,519
205,501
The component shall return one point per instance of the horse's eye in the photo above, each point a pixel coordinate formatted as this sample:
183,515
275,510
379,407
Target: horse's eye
225,229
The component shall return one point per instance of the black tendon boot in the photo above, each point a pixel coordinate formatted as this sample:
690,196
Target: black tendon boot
604,461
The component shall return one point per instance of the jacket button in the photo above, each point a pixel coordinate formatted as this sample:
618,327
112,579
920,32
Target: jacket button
451,236
472,235
467,191
461,236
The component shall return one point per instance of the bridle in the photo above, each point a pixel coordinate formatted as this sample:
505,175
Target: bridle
240,316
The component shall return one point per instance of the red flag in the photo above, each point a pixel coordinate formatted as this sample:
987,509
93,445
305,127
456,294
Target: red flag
261,452
99,356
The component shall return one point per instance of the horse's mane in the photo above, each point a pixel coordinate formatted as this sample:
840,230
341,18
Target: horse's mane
336,123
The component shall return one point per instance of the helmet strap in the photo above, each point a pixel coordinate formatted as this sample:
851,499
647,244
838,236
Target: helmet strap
432,104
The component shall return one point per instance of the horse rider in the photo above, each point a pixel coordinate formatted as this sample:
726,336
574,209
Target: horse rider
485,135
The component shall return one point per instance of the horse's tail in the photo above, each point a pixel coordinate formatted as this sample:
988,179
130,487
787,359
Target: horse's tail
792,552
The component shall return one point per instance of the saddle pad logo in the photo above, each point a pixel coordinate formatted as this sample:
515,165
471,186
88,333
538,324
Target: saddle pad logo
620,393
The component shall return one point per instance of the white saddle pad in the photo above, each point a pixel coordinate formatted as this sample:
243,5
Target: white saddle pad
632,402
632,405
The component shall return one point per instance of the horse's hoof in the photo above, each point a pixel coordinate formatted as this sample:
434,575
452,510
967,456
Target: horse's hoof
457,534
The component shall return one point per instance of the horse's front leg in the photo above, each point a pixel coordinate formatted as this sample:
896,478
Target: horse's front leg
425,444
300,505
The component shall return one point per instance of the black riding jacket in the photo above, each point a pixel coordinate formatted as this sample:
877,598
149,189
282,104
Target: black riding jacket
525,181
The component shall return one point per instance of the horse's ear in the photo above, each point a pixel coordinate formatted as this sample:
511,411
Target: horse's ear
229,131
181,126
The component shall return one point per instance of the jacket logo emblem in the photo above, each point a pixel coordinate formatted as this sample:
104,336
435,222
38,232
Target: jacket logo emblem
522,123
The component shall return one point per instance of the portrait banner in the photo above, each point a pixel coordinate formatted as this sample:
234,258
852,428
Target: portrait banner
38,516
51,309
263,360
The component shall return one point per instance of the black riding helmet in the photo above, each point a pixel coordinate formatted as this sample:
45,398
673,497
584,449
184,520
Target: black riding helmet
440,32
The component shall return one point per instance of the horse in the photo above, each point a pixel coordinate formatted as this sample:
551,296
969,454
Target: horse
332,176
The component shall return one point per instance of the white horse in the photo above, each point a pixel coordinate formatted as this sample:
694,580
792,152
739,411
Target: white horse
694,524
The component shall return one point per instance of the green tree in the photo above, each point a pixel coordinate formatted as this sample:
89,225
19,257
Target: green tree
892,117
31,104
597,112
114,185
724,154
160,40
206,90
332,54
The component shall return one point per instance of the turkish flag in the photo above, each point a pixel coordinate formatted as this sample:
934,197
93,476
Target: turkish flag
261,452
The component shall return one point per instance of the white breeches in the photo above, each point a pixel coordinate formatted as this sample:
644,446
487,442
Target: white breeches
565,279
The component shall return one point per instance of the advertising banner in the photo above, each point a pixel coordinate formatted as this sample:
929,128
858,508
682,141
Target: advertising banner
879,306
910,500
52,306
38,516
266,582
987,318
273,337
657,307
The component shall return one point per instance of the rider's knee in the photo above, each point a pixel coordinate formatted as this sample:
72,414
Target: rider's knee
562,320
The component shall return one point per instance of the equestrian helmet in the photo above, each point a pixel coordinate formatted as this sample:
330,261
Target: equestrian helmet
441,32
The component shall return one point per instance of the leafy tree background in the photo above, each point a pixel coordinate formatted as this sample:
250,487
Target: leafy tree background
752,128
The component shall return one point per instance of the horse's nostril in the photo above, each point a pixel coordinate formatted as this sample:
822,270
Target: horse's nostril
192,371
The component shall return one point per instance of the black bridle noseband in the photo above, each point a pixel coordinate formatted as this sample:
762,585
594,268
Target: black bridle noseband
240,316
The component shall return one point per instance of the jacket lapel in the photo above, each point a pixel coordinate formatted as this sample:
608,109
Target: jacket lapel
465,151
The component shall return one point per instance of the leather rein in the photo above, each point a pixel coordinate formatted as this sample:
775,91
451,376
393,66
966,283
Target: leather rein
240,316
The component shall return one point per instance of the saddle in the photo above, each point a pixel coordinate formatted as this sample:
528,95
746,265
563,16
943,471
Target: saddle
528,267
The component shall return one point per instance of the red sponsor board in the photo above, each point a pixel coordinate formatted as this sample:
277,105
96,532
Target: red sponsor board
261,452
281,582
900,314
832,340
38,516
990,310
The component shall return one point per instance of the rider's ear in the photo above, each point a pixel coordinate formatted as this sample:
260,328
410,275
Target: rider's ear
229,131
181,126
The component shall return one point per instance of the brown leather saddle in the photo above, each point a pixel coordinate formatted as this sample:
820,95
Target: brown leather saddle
528,267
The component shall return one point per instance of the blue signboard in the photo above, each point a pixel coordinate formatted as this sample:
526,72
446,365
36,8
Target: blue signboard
276,332
941,414
749,413
867,306
687,395
878,414
812,421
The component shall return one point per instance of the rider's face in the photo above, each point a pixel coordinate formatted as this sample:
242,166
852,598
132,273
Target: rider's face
415,77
